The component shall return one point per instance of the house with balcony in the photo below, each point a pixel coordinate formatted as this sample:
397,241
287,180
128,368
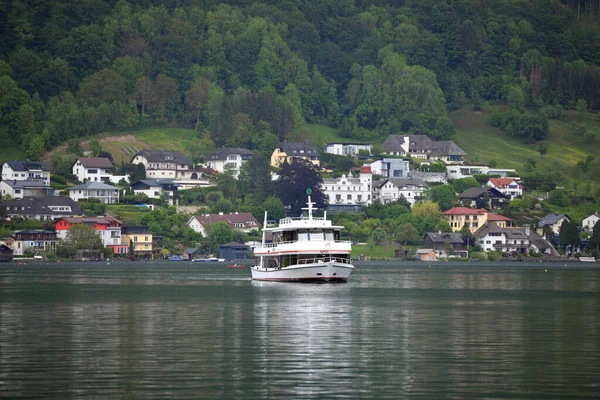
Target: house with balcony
19,189
94,169
465,171
108,228
390,190
508,186
288,151
516,240
164,164
95,190
483,197
446,243
348,149
228,159
47,208
391,167
155,188
241,221
139,238
474,218
36,240
422,147
348,190
26,171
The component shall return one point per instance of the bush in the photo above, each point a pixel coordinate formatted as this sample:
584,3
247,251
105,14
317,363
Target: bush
478,256
493,256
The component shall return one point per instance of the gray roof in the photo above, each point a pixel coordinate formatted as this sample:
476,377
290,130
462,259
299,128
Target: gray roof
193,250
95,162
41,205
28,165
94,186
424,251
393,144
25,184
475,192
418,143
223,152
164,155
551,219
443,237
154,182
298,148
403,182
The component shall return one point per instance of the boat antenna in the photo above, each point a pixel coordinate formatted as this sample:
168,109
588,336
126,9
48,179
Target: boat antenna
264,231
310,205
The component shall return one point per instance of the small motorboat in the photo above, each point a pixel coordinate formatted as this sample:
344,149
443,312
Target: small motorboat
235,266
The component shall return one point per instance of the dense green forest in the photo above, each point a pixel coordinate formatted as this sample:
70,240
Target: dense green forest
249,74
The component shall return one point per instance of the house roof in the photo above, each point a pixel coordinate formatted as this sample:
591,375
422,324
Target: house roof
41,205
298,148
91,220
90,185
465,211
25,184
443,237
424,251
154,183
246,219
551,219
234,244
493,217
27,165
404,182
475,192
222,153
366,169
504,182
163,155
394,143
418,143
193,250
95,162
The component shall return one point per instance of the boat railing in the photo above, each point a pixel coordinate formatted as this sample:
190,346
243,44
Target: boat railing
275,244
289,220
317,260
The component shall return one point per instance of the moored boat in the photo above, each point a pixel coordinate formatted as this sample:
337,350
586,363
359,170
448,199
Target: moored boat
305,249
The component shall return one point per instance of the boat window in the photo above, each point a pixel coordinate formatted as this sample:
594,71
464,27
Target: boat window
302,236
329,235
318,235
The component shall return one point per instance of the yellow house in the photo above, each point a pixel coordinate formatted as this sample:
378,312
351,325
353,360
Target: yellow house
473,218
290,150
141,239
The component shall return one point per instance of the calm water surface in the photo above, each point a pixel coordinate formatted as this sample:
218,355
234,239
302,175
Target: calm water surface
181,330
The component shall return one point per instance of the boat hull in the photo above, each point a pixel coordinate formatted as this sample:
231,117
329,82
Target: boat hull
316,272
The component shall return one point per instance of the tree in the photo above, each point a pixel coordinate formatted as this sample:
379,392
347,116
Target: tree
467,235
427,209
218,233
294,180
569,235
145,93
406,233
79,237
95,148
378,235
444,195
542,149
594,239
197,96
274,207
166,93
460,185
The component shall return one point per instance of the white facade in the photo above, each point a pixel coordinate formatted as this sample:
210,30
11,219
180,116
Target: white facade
94,174
394,189
155,191
20,189
348,149
25,174
465,171
589,222
508,186
95,190
348,190
225,161
503,240
391,167
110,236
165,169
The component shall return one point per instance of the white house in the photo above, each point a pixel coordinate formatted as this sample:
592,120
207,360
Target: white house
228,159
552,221
589,222
96,169
243,221
348,149
465,171
492,237
421,146
391,167
349,190
19,189
44,208
154,188
390,190
164,164
507,186
26,171
95,190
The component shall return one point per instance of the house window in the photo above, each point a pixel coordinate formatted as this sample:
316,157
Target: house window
349,197
92,171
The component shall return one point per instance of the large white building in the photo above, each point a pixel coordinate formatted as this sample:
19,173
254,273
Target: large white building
227,159
95,190
19,189
164,164
422,147
348,149
508,186
391,167
465,171
26,171
390,190
95,169
348,190
154,188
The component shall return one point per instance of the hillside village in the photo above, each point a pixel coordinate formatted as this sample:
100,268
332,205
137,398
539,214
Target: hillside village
411,169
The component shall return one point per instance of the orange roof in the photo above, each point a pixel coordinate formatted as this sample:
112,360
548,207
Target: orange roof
503,182
365,169
497,217
464,211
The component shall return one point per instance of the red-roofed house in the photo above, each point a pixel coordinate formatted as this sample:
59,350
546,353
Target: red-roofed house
108,228
474,218
508,186
243,221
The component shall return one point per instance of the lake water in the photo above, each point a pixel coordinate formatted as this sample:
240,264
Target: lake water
409,330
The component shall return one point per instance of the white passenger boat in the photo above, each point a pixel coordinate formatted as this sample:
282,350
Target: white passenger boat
303,249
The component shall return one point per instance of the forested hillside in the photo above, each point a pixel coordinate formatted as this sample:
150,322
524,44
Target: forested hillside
249,74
